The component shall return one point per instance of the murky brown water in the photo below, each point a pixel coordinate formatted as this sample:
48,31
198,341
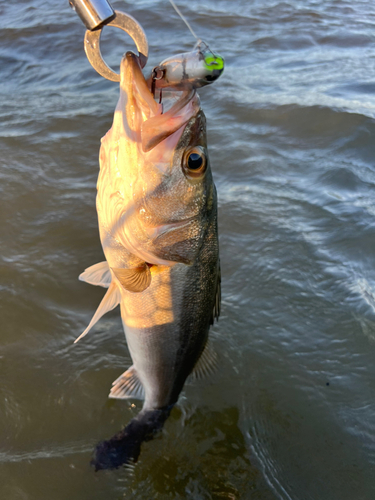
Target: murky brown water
290,415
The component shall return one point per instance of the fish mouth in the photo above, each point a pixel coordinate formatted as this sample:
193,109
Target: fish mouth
146,117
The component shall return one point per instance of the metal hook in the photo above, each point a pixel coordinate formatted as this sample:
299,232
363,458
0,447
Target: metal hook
156,74
92,44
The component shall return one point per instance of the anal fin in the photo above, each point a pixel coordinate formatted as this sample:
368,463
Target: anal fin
127,386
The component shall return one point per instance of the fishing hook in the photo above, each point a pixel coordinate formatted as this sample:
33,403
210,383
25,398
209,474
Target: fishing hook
156,74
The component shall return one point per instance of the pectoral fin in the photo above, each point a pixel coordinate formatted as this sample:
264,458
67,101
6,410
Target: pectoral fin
110,300
134,280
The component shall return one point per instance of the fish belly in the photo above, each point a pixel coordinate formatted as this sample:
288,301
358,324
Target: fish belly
166,328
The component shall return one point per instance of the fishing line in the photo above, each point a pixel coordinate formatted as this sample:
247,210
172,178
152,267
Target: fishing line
184,19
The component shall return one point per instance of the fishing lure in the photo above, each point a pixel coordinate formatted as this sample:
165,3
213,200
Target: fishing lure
186,71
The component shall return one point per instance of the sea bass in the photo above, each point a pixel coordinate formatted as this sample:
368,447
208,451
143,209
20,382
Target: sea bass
157,212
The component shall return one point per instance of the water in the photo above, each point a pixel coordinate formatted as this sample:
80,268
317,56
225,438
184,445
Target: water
290,414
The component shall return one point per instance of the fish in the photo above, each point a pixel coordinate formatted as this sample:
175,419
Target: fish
157,215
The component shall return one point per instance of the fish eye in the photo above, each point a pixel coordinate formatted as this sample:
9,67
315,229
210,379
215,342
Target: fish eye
195,162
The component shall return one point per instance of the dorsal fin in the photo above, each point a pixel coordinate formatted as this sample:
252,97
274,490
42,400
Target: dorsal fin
206,364
110,300
136,279
127,385
98,274
217,303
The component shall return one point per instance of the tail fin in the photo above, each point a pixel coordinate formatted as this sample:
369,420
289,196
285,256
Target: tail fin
125,446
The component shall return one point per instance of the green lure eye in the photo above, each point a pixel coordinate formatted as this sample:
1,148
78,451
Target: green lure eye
214,61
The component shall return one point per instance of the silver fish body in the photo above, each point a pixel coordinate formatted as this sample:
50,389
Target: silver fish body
157,214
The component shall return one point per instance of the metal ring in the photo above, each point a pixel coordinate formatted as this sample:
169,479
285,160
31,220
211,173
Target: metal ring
92,44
